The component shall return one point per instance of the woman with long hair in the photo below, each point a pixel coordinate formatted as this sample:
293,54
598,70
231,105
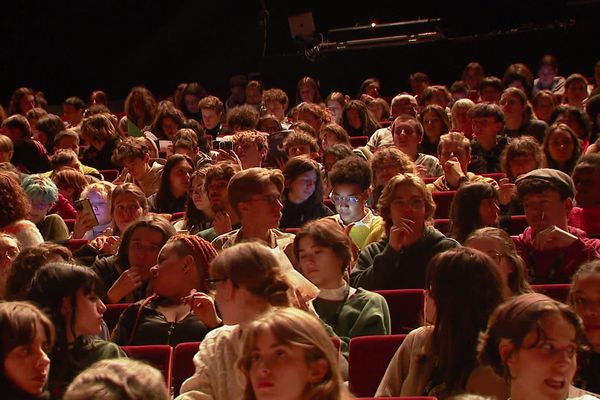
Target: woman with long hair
140,108
172,194
198,211
357,119
475,205
562,148
435,123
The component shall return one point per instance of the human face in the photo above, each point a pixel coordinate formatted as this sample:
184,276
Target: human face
462,121
100,206
561,146
310,119
373,90
543,109
335,109
199,196
269,125
278,371
210,118
68,143
253,96
217,194
26,103
576,93
9,249
349,200
353,118
432,125
180,178
144,246
328,139
495,249
406,137
586,181
406,106
296,150
512,106
489,94
386,171
544,370
473,78
169,127
168,275
302,187
571,121
520,165
276,108
457,152
191,103
88,315
39,209
586,299
319,264
408,202
307,93
262,210
546,74
137,167
249,154
376,110
545,209
27,366
72,115
126,210
488,212
486,127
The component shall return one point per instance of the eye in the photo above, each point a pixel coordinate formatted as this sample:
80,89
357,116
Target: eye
280,353
255,357
547,346
580,301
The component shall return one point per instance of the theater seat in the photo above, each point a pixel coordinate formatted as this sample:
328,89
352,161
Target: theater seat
70,224
495,176
517,224
109,174
159,356
113,313
556,291
358,141
443,201
183,363
368,360
406,308
442,225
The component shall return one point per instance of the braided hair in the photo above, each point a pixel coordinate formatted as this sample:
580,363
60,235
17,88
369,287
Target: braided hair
202,251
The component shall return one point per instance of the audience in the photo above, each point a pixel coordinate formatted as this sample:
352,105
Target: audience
134,155
475,205
15,211
586,178
489,140
408,134
172,193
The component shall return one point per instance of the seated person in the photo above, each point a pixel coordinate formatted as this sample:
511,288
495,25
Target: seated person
548,78
551,248
67,158
276,101
43,194
303,193
486,148
454,153
474,206
350,180
401,104
398,260
134,155
15,211
490,90
67,139
70,184
386,163
435,123
172,193
331,155
408,133
165,317
251,147
212,113
331,134
99,195
313,114
586,177
460,117
518,115
9,249
100,134
73,108
29,155
300,143
198,212
325,255
6,149
242,118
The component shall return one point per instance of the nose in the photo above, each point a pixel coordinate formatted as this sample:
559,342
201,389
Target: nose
43,360
101,306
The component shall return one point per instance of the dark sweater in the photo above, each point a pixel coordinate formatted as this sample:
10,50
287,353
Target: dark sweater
30,157
486,162
380,267
296,215
588,371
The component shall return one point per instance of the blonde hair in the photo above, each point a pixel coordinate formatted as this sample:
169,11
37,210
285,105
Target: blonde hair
103,188
294,327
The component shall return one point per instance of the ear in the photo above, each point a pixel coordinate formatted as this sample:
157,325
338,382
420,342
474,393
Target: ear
318,370
147,158
227,290
65,308
568,205
506,348
188,263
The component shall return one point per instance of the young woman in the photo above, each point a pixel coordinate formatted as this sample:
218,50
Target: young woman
576,91
102,137
172,194
307,90
303,193
167,121
518,113
164,318
248,281
126,275
335,103
497,244
435,123
140,107
287,354
357,120
576,119
379,108
584,298
532,341
331,134
561,148
463,289
70,183
325,254
27,339
68,294
544,105
386,163
475,205
198,211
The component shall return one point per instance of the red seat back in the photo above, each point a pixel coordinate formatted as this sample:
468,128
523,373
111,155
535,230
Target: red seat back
109,174
556,291
495,176
368,360
70,224
442,225
183,363
358,141
517,224
113,313
406,308
159,356
443,201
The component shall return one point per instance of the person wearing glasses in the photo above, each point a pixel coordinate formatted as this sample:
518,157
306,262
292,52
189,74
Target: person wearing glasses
350,180
490,141
399,258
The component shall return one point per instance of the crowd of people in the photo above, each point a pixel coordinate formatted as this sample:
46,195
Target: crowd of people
263,227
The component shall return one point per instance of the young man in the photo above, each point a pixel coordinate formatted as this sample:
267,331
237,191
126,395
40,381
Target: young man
73,109
490,90
301,144
29,155
313,114
454,153
551,248
401,104
251,147
212,112
351,180
134,155
407,133
486,148
586,177
242,118
276,101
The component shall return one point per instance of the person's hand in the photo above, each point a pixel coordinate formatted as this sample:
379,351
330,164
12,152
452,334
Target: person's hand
453,172
106,244
400,232
126,283
506,191
553,238
203,307
83,223
222,223
421,171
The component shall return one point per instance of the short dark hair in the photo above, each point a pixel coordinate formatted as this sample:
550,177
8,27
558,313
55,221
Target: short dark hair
18,121
352,170
483,110
76,102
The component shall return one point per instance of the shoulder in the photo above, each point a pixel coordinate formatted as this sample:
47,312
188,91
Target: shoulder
219,338
102,349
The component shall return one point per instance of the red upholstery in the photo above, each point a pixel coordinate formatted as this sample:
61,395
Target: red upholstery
517,224
112,314
357,141
385,123
398,398
159,356
109,174
495,176
177,215
369,358
442,225
429,179
183,363
292,230
406,308
443,200
70,224
557,291
75,244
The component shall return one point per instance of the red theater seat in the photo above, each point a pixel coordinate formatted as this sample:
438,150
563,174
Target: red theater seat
556,291
159,356
358,141
442,225
495,176
406,308
443,201
109,174
183,363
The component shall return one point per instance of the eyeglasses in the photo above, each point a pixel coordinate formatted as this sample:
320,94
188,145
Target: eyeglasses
211,284
338,199
270,200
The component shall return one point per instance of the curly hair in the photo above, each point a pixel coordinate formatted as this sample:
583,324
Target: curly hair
148,106
242,118
15,204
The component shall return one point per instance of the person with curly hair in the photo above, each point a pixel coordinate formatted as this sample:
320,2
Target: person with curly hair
140,108
14,212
